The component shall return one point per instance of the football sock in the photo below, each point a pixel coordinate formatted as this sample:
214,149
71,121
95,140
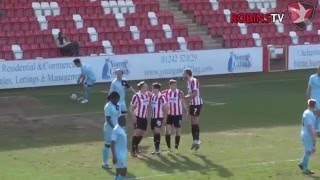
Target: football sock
105,153
195,132
134,143
306,159
119,177
86,92
156,139
168,140
177,142
139,138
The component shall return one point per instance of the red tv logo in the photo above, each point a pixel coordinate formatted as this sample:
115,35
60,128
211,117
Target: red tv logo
301,14
256,18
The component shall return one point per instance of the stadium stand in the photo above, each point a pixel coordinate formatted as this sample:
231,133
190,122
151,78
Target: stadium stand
29,27
216,15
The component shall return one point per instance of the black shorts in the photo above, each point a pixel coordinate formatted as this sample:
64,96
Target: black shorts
194,110
156,123
142,123
175,120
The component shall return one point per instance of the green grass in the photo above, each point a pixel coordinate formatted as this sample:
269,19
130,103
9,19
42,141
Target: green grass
255,135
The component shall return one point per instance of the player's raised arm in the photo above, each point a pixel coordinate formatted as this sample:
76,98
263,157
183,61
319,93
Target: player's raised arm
133,90
133,106
128,86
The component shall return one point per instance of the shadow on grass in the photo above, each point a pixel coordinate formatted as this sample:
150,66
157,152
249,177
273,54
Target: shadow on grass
248,106
179,163
222,171
129,174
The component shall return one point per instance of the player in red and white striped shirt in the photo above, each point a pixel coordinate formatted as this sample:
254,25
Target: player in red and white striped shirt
195,106
139,108
175,99
159,110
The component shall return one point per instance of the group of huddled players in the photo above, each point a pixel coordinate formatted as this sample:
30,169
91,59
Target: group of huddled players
161,106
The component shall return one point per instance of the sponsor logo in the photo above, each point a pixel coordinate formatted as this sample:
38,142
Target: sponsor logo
256,18
239,62
301,14
110,66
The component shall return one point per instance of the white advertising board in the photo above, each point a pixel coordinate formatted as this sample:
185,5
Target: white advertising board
304,56
52,72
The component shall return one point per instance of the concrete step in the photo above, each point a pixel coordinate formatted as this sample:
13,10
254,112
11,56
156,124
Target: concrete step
200,33
179,14
188,20
216,46
168,8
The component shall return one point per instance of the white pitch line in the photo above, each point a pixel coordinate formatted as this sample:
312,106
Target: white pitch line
51,94
10,97
214,169
59,116
214,103
205,86
254,82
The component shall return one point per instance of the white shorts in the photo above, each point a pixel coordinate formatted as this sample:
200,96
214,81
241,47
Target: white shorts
89,82
307,143
121,163
107,130
123,107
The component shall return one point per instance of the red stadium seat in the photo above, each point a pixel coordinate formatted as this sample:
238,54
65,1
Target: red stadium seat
20,26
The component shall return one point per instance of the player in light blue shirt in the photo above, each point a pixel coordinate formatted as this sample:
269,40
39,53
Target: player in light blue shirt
119,148
313,92
112,112
87,79
120,85
308,135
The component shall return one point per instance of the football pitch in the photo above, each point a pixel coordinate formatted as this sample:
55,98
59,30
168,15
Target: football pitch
250,129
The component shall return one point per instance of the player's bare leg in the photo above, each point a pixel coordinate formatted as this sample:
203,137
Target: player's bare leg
156,140
195,132
168,136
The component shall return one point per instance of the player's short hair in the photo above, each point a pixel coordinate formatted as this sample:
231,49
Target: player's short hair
172,81
188,71
113,95
157,85
122,117
119,70
76,61
312,103
141,84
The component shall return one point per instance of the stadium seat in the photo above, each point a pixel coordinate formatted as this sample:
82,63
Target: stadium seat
29,24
